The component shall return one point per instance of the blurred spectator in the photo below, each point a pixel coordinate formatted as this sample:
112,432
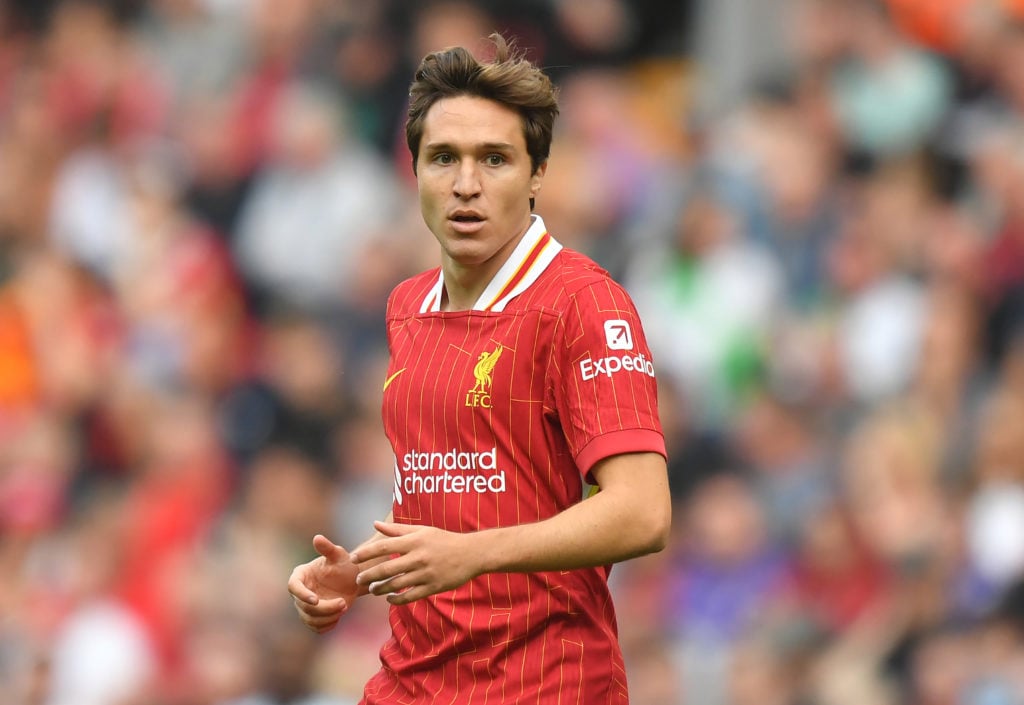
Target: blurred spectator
196,49
296,397
89,187
994,521
60,335
216,178
370,72
287,659
102,652
277,39
889,97
179,288
710,296
31,142
948,383
781,444
775,168
879,332
725,576
319,199
891,482
182,487
97,79
837,578
736,46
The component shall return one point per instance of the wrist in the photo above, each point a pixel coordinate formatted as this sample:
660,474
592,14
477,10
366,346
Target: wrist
485,545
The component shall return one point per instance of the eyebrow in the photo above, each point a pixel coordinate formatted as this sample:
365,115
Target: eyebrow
486,146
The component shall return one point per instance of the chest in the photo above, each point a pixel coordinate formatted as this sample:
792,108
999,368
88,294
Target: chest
471,367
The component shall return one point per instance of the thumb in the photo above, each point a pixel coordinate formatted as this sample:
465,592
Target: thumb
328,549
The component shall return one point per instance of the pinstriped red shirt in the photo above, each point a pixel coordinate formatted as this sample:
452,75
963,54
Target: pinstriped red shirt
496,415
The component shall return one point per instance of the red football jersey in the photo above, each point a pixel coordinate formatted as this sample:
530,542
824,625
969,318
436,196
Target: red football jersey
496,415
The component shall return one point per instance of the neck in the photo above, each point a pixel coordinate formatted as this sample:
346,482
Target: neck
463,286
465,283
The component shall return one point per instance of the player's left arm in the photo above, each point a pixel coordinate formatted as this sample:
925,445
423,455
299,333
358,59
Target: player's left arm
629,517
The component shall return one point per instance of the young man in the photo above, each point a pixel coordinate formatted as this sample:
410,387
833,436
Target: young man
519,375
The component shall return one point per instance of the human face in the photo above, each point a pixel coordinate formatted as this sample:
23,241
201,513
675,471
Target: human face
475,185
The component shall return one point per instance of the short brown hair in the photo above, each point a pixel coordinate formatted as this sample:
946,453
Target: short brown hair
509,79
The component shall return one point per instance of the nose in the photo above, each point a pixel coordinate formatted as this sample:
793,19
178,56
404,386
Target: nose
467,180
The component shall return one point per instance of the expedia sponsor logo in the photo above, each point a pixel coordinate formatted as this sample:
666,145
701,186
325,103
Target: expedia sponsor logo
608,366
450,472
618,335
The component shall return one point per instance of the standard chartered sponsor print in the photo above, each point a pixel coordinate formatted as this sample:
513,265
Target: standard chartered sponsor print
452,471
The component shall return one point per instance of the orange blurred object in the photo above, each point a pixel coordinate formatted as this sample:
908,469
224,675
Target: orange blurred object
934,23
19,376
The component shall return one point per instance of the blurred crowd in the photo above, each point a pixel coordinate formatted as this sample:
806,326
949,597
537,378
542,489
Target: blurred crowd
818,206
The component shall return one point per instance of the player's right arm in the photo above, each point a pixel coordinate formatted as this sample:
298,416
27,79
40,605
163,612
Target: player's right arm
325,588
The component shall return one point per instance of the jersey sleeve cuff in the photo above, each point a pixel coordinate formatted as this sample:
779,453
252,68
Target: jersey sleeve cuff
637,440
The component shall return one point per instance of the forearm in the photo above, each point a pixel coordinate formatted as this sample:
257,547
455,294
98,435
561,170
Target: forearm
594,532
612,526
629,517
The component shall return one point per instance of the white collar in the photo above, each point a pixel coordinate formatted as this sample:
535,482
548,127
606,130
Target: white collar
528,260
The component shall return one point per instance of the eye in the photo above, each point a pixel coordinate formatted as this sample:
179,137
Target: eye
494,160
443,158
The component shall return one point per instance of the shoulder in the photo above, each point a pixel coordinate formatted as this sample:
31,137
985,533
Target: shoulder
575,278
408,296
577,270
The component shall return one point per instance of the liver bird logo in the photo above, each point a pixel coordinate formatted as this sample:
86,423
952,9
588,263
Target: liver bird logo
484,367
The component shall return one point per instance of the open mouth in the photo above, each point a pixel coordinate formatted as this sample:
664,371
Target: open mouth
466,218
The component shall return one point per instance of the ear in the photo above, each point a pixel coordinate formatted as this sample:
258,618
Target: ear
537,178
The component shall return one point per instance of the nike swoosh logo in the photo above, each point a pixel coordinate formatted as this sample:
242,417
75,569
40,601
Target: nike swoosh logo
391,379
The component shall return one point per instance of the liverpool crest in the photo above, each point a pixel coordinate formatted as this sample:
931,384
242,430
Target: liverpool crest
480,394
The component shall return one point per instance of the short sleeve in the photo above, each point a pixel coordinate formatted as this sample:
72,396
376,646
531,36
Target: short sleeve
605,382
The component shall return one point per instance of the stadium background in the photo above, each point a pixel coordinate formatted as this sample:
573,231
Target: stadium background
817,204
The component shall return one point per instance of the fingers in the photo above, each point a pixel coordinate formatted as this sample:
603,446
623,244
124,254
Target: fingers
390,528
319,614
376,546
410,595
385,571
328,549
298,588
334,607
323,616
389,585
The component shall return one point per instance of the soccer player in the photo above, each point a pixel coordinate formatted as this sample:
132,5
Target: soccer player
519,381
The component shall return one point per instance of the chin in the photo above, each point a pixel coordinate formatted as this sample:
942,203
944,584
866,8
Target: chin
467,253
458,244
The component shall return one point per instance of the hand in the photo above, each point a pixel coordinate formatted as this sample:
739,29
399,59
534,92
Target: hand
410,562
324,588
